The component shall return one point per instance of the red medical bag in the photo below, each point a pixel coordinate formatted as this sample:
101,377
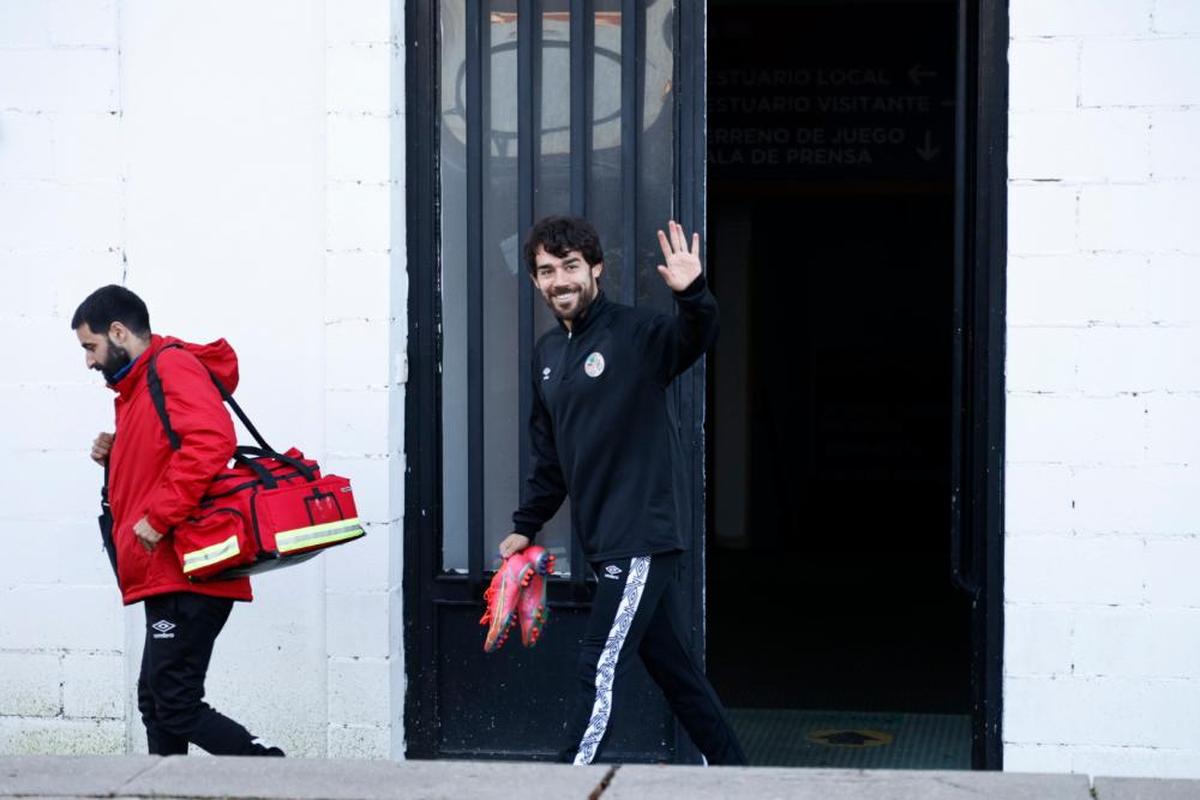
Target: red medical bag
268,510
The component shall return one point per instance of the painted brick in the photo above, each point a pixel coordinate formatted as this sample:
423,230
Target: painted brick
52,286
1174,436
87,147
1043,359
56,417
357,354
363,565
1170,573
91,23
1112,360
94,685
1173,281
61,617
1071,430
32,685
395,535
359,691
359,742
26,149
1039,498
1043,74
1074,569
1042,219
396,627
1146,762
359,147
31,214
358,217
1136,499
1173,134
1037,639
398,686
1078,289
1107,144
358,286
53,553
268,669
59,80
1154,72
357,422
24,24
358,21
1036,758
396,412
1148,218
1137,642
270,67
357,625
1176,16
1100,711
1079,17
398,284
72,479
358,79
33,736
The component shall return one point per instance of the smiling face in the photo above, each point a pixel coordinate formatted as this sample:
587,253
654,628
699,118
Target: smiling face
568,283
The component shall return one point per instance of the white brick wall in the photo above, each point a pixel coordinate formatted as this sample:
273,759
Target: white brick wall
365,309
227,162
1102,638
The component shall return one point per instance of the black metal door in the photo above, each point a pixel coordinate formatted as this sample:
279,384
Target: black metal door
518,109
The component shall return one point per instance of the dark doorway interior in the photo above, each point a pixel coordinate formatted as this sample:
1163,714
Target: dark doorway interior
834,632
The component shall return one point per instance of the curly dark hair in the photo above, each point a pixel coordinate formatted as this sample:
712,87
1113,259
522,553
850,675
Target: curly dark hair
559,236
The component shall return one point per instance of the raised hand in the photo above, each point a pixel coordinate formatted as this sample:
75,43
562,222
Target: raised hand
683,265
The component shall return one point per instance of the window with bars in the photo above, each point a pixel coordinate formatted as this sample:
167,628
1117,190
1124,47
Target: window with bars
546,107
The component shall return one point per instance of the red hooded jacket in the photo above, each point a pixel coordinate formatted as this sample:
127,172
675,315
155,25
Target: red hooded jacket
146,478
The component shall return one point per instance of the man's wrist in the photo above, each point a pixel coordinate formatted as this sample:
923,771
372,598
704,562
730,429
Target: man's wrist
693,289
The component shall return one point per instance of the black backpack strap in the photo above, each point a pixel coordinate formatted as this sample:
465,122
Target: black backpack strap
160,401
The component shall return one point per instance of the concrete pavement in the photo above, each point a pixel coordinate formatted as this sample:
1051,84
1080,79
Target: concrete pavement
310,779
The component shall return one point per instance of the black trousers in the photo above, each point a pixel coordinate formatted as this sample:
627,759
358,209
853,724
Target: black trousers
181,629
637,612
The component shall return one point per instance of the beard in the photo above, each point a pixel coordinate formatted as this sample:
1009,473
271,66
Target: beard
584,295
116,360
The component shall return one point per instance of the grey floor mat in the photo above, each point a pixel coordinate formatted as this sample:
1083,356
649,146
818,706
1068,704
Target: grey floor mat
852,739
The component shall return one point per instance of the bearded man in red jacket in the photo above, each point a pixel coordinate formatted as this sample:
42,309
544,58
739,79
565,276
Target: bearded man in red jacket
151,487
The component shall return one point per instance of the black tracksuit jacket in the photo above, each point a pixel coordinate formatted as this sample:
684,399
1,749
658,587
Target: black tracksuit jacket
603,427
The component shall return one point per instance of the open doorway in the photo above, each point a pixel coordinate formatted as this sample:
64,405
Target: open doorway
835,633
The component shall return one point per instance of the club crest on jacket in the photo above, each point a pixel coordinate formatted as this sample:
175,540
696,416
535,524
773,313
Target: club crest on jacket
594,366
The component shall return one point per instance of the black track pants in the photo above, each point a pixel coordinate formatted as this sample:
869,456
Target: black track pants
180,631
637,612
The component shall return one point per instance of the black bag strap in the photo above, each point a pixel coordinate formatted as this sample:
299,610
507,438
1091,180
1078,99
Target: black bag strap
244,453
160,402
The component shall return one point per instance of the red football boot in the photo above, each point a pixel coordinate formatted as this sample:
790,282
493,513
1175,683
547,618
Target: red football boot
502,598
532,609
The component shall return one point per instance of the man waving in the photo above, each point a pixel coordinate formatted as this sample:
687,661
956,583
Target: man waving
603,431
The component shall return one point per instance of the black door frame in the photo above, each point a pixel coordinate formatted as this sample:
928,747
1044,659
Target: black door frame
423,479
977,522
977,458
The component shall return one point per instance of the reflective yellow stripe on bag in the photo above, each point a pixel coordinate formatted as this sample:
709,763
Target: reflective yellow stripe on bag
211,554
317,535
